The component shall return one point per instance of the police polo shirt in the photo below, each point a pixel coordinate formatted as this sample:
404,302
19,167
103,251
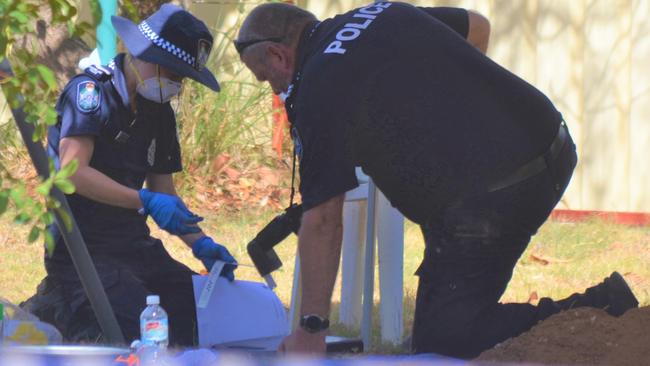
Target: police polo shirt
399,91
149,145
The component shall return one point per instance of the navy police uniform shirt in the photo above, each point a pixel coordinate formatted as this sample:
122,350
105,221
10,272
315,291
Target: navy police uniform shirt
127,146
399,91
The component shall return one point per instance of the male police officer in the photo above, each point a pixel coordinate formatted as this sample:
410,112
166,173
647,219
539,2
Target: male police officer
458,144
118,124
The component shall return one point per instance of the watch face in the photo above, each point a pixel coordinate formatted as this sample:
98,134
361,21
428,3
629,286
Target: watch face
313,323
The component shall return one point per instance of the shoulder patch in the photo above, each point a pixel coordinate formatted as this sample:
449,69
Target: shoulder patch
98,72
88,98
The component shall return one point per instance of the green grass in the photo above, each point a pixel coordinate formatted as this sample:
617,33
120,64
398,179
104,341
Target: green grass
577,255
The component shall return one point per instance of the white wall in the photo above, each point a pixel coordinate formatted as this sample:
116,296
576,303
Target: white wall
591,57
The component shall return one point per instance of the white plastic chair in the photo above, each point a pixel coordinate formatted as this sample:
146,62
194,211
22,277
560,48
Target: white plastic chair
357,268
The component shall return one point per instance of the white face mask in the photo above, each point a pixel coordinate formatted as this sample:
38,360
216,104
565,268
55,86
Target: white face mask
159,89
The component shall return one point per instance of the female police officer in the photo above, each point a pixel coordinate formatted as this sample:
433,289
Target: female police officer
117,122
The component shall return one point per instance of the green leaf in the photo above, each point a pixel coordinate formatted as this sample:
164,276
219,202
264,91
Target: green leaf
33,78
20,17
50,117
64,185
131,11
44,188
47,75
14,101
52,203
68,170
51,165
96,11
22,218
47,218
4,201
49,242
67,220
72,29
33,234
39,132
17,194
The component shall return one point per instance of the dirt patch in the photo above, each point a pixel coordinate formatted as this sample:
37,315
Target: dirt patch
583,336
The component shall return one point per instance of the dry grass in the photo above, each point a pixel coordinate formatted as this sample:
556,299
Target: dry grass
562,258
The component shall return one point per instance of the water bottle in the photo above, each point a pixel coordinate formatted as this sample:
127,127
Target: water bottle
154,330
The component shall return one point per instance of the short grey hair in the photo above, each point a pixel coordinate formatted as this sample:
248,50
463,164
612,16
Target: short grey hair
279,20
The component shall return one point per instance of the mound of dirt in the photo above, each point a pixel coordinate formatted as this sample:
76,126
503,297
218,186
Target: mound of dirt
582,336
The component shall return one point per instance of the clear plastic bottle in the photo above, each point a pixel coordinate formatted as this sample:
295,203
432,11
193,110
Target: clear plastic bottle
154,329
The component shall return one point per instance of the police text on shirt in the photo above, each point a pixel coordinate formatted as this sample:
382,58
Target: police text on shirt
352,31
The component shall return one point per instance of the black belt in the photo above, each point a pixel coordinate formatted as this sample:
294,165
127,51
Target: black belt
534,166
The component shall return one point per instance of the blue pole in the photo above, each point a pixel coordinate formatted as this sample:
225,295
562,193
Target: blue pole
106,36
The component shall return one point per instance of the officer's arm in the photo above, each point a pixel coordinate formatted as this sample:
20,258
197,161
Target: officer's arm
90,182
319,244
164,183
479,31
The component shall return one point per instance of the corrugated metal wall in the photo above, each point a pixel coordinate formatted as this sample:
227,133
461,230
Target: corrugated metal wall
592,58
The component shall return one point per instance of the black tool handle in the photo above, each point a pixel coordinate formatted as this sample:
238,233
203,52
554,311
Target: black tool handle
261,250
266,261
279,228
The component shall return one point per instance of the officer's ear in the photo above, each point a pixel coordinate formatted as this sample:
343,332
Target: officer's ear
279,57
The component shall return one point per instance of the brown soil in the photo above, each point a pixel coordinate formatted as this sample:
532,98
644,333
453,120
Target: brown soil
581,336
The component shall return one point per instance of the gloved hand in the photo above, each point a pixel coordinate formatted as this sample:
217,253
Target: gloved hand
209,252
169,212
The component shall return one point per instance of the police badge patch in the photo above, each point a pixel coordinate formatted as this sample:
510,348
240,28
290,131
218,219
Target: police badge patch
87,96
202,54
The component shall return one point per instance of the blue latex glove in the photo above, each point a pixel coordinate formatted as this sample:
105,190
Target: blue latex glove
209,252
169,212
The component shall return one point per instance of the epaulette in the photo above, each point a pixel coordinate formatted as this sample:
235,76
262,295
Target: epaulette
100,73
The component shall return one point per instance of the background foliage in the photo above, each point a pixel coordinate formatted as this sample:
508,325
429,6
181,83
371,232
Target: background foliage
224,136
34,88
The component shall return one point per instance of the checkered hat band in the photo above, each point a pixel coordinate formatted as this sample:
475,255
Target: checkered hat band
166,45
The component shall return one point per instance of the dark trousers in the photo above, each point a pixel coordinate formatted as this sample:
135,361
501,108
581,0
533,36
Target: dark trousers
471,250
127,278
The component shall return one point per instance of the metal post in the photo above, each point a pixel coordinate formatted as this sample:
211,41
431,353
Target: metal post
369,268
73,240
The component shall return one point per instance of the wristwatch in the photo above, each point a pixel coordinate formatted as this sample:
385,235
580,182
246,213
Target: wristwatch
313,323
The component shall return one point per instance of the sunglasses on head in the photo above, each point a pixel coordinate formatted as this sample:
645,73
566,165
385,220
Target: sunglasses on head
240,46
